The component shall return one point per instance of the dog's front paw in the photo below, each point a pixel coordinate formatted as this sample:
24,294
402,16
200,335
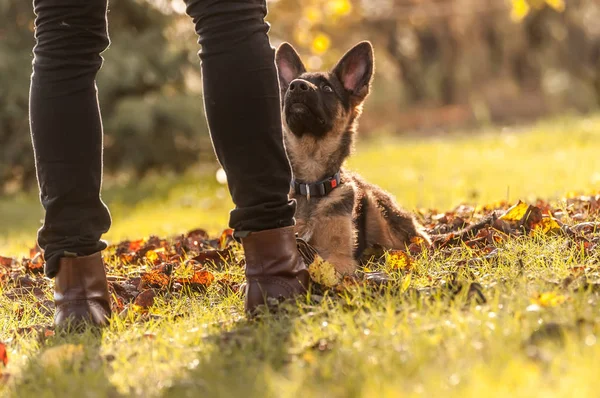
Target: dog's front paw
343,265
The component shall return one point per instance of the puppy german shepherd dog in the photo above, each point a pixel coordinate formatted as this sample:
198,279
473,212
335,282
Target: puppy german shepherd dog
338,212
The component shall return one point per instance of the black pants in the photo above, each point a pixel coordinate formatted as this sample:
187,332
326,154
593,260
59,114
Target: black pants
241,99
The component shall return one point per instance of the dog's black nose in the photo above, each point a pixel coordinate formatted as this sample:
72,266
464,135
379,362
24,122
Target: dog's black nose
300,85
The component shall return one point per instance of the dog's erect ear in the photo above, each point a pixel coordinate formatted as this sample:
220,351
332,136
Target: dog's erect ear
289,64
355,69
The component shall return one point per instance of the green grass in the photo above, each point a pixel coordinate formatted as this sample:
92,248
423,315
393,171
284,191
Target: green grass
361,344
545,160
159,204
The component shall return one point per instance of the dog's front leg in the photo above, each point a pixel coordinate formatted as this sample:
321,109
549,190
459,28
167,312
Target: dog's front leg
334,239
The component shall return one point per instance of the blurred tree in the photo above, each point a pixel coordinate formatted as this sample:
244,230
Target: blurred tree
153,118
520,8
16,41
444,62
439,63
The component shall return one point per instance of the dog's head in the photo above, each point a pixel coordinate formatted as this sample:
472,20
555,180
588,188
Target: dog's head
322,104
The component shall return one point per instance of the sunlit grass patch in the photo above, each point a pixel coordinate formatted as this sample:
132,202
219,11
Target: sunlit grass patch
416,328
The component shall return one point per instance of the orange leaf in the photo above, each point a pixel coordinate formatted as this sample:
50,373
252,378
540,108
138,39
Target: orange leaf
199,281
5,261
3,354
136,245
203,277
155,279
36,264
417,240
126,258
226,237
33,251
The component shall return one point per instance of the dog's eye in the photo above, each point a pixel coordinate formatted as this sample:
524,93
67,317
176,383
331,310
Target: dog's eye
327,89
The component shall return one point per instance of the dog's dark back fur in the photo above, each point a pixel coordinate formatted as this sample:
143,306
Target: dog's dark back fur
320,111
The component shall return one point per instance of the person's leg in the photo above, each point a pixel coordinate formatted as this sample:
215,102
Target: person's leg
241,99
66,131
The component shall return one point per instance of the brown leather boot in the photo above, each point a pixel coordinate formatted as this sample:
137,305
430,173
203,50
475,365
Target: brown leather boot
274,267
81,292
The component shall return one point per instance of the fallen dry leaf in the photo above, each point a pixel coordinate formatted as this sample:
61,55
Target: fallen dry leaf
228,283
182,264
199,281
145,299
547,225
398,259
520,213
323,272
586,227
417,240
377,279
516,212
226,238
198,235
6,262
35,265
3,354
155,279
217,257
156,256
134,246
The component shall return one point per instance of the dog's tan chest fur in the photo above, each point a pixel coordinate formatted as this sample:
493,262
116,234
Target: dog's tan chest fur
332,234
307,152
310,155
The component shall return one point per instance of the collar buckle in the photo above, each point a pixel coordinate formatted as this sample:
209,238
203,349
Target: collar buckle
320,188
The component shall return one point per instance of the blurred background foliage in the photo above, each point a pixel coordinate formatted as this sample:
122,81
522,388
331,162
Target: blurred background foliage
441,64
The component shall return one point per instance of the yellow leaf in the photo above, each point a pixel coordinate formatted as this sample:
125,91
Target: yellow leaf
520,9
323,272
558,5
547,225
320,43
549,299
151,255
406,283
398,259
515,213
